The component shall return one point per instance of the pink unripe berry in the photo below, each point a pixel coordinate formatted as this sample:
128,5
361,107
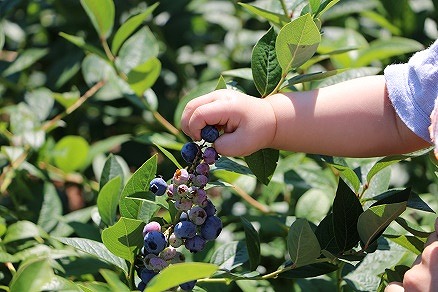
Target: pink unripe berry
181,176
151,226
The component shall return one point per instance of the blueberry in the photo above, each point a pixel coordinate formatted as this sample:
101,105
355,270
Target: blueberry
209,133
175,241
151,226
188,286
154,242
141,286
185,229
200,180
158,186
195,244
147,275
203,168
210,209
190,151
181,176
210,155
211,228
197,215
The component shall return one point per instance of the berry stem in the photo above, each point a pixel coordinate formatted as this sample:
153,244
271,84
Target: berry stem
256,204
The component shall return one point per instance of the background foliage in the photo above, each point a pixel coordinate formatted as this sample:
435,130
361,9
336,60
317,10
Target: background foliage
91,93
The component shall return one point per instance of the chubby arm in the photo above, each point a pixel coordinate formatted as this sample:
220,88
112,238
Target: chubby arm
353,118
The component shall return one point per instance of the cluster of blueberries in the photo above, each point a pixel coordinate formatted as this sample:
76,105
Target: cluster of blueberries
195,222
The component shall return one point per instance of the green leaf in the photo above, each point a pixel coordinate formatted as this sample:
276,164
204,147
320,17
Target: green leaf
275,18
266,71
314,5
140,208
302,244
381,49
2,37
108,200
384,162
24,60
297,42
70,153
244,73
111,169
326,5
180,273
221,84
81,43
133,52
313,205
32,276
124,238
263,163
412,228
106,145
312,77
22,230
114,281
101,14
312,270
67,99
325,233
169,155
95,249
252,243
373,221
138,183
346,172
130,25
41,102
346,211
409,242
230,255
143,76
51,209
65,223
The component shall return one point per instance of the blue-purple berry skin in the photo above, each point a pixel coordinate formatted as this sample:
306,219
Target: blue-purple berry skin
154,242
195,244
141,286
209,133
190,151
203,168
197,215
147,275
210,155
188,286
158,186
210,209
185,229
211,228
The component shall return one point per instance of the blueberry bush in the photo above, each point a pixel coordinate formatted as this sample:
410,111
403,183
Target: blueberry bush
100,189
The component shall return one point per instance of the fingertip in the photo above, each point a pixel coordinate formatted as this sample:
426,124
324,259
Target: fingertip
394,287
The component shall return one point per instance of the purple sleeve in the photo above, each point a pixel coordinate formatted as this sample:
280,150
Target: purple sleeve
413,88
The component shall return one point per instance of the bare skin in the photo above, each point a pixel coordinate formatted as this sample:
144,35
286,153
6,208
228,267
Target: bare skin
353,118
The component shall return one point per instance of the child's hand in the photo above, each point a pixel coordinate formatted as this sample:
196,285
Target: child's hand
423,276
248,123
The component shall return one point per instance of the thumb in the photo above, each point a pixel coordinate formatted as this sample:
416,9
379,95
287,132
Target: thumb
394,287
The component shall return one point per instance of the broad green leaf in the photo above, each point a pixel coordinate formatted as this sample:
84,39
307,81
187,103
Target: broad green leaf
41,102
24,60
313,205
106,145
373,221
165,140
381,49
325,233
252,243
275,18
130,25
346,172
51,209
134,52
263,163
312,77
244,73
114,281
101,14
266,71
297,42
169,155
111,169
314,6
325,5
108,200
226,163
2,37
180,273
346,211
124,238
409,242
32,276
95,249
139,208
70,153
312,270
346,75
302,244
22,230
230,255
81,43
143,76
384,162
67,99
221,84
138,183
412,227
59,283
94,287
64,227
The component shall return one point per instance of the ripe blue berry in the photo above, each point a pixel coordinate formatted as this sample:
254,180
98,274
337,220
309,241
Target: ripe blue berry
195,244
185,229
188,286
190,151
203,168
147,275
211,228
197,215
210,209
158,186
154,242
209,133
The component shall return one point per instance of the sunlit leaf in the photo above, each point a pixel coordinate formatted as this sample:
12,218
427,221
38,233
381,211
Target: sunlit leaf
108,200
263,163
32,276
252,243
302,244
70,153
101,14
24,60
277,19
143,76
